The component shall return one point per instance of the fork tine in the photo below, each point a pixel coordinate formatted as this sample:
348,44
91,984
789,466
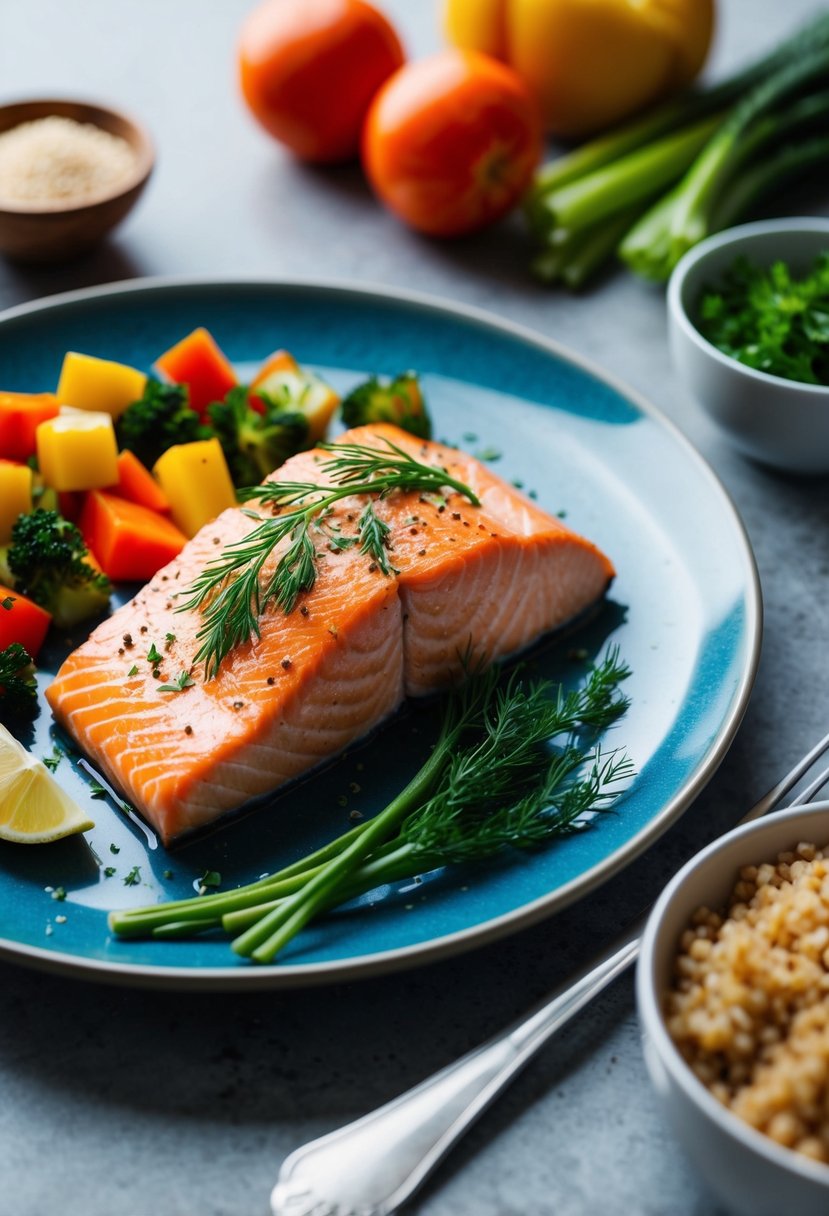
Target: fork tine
770,800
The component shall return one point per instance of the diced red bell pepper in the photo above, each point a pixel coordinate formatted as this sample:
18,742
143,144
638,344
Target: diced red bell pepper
137,483
129,541
198,362
22,621
20,416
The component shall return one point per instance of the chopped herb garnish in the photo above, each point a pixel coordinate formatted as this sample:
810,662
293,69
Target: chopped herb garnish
96,790
133,878
182,681
115,848
109,871
133,671
54,760
7,602
490,454
153,656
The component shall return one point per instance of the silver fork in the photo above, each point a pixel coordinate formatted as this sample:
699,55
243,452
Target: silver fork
374,1165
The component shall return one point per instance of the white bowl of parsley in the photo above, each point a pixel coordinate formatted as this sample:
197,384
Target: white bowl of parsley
749,330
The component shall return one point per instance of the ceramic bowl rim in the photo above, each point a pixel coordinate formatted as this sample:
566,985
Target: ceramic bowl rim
140,142
713,244
653,1023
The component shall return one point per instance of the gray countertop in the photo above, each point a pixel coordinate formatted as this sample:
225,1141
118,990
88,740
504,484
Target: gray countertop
121,1103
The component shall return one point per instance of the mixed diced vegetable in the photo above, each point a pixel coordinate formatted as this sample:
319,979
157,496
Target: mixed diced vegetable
104,480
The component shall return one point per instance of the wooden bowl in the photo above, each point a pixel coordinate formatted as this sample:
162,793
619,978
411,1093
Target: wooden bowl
55,231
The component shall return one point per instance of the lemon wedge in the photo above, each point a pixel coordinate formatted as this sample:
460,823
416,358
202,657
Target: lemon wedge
33,807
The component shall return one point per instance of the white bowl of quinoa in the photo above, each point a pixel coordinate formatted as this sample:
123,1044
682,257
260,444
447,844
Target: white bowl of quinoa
733,994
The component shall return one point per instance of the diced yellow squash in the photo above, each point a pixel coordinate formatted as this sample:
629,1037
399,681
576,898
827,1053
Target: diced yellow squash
195,478
15,496
89,383
302,392
78,451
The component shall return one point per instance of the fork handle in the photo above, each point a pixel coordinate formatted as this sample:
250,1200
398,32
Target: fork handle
372,1166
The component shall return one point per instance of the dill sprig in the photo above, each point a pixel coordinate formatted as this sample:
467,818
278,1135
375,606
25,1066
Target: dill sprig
231,593
516,765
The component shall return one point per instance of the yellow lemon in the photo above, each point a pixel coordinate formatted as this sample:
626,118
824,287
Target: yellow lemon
33,807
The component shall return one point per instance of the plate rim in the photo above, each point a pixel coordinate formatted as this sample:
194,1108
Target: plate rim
302,975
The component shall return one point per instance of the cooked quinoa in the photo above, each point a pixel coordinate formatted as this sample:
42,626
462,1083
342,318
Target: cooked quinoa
749,1007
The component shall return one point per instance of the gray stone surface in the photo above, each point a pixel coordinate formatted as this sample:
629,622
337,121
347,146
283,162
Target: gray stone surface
122,1103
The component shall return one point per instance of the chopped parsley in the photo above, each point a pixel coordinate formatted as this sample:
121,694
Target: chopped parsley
772,320
153,656
133,878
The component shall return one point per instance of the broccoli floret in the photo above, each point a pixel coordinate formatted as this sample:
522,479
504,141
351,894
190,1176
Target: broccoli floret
399,401
255,444
160,419
46,558
18,690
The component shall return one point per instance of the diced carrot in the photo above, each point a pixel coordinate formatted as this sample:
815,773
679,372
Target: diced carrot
198,362
130,541
20,416
137,483
22,621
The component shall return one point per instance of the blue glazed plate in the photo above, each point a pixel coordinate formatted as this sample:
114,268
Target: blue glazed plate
684,611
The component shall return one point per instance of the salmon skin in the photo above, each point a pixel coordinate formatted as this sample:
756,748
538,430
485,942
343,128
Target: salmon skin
485,580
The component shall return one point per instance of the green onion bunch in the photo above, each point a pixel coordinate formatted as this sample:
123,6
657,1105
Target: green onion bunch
653,188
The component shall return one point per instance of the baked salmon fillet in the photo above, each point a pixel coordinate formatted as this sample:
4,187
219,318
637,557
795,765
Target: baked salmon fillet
487,580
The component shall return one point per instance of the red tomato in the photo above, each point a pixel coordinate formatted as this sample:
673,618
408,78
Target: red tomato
309,69
451,142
